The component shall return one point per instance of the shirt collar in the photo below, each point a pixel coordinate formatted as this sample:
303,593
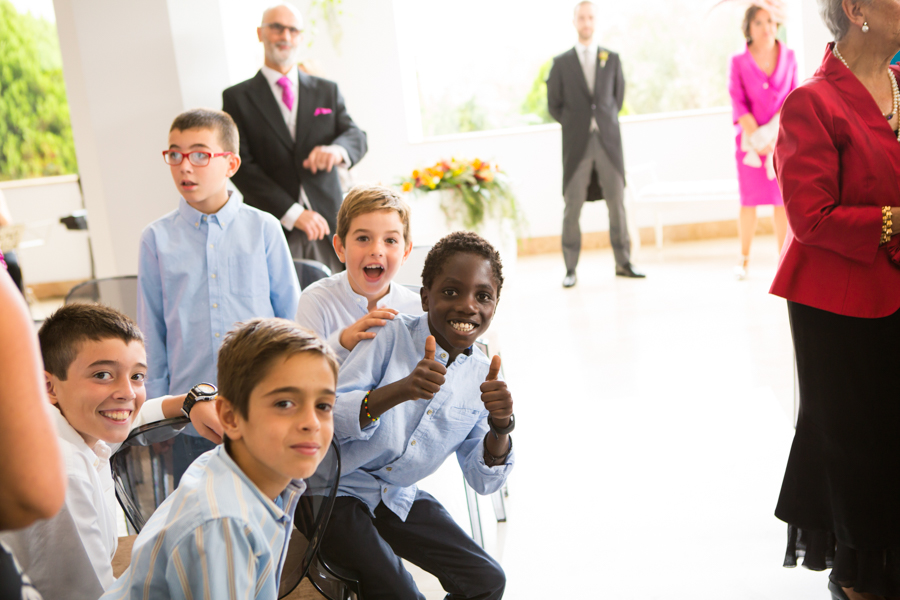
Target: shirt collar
386,300
580,48
68,433
272,76
289,496
422,331
225,215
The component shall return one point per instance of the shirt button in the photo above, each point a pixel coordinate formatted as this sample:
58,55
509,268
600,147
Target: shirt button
217,335
203,218
385,490
765,86
389,468
197,224
211,246
412,443
213,275
215,306
430,411
593,107
443,355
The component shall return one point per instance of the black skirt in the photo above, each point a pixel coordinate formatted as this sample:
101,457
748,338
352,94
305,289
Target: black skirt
841,489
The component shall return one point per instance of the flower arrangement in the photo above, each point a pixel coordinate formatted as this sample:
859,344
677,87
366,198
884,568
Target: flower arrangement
476,189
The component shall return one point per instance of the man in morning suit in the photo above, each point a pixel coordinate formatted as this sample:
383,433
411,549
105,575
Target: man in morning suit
294,130
585,92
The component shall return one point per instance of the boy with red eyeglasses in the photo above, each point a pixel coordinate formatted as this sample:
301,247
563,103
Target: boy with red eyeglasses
212,262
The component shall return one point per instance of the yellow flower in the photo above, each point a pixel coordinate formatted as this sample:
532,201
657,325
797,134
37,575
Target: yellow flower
476,164
415,174
407,186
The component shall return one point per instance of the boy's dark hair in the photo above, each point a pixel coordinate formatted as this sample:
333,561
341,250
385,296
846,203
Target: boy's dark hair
363,199
65,330
250,349
456,243
214,120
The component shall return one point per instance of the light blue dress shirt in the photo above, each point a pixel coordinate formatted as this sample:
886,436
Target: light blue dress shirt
217,536
200,274
330,305
384,461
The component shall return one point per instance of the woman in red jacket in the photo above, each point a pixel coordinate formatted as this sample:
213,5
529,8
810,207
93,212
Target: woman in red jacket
838,164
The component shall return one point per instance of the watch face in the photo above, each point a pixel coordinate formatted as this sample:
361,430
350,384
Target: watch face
206,389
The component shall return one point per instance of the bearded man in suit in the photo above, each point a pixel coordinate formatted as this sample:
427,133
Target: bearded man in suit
294,131
585,92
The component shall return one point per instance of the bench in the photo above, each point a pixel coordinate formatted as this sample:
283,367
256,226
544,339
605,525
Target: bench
667,196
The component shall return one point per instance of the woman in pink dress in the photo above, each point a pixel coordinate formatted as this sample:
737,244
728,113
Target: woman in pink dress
761,78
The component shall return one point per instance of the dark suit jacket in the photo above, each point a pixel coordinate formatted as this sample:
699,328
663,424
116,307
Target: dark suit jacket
838,163
272,164
570,103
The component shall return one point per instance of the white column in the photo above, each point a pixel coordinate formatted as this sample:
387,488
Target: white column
130,68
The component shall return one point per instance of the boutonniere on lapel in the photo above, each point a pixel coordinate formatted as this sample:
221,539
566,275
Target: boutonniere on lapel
603,56
322,111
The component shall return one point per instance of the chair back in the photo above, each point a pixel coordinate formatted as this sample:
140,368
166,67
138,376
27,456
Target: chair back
310,519
145,469
310,271
117,292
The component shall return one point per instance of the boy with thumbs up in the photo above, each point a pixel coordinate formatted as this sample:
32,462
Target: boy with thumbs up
407,399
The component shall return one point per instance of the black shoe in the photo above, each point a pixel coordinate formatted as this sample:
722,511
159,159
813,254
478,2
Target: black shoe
570,279
627,270
836,592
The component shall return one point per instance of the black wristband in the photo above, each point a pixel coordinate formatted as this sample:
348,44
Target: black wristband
508,429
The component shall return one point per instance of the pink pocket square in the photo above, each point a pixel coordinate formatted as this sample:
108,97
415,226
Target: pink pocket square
322,111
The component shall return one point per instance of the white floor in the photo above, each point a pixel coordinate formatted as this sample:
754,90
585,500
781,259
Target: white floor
654,423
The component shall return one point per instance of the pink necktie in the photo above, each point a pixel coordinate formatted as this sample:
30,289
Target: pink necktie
287,92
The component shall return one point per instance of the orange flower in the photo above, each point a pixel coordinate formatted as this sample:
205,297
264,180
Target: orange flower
407,186
476,164
415,174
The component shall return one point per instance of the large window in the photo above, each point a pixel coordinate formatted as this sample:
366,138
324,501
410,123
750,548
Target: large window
481,64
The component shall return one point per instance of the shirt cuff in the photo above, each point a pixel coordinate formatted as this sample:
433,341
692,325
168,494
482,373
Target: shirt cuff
290,217
344,155
150,412
346,418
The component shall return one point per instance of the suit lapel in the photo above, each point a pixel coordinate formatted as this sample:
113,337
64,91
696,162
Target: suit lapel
305,108
576,64
261,95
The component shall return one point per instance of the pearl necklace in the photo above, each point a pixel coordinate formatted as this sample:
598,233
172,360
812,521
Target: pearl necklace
895,90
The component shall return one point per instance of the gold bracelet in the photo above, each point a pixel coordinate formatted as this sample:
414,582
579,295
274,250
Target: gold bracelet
886,225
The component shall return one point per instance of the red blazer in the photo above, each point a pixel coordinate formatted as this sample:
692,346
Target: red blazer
838,163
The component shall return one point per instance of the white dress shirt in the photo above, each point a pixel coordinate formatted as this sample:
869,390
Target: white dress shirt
587,56
69,556
290,119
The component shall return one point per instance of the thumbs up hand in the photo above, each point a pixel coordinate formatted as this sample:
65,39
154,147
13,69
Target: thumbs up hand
427,378
495,395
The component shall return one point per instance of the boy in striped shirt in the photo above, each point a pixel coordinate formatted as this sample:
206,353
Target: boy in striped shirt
224,532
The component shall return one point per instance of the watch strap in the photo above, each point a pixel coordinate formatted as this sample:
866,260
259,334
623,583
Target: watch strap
506,430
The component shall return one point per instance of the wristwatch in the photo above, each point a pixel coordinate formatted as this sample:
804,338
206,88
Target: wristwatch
202,392
508,429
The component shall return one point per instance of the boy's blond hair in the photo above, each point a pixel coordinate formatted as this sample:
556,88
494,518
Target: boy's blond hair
249,350
215,120
364,199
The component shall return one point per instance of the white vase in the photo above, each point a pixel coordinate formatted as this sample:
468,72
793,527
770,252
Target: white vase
429,224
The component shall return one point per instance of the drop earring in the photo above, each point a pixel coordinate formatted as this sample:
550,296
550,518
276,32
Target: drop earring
865,27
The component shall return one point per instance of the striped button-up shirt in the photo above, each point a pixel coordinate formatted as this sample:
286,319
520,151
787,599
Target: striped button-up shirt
216,537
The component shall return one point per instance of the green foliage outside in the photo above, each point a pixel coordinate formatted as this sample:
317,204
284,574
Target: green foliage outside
536,101
35,132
